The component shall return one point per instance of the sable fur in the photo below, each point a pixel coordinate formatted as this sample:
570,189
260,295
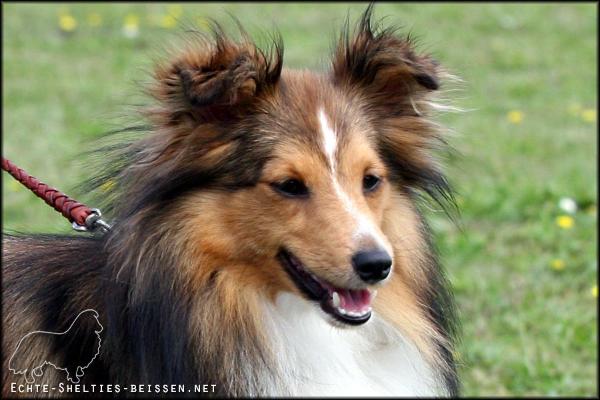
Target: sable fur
176,281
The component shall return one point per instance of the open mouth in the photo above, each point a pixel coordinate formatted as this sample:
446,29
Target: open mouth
350,306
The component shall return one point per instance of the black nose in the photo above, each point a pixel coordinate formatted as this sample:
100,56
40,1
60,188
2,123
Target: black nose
372,266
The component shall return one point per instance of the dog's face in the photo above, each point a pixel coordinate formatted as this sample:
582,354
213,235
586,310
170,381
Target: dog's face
321,196
301,171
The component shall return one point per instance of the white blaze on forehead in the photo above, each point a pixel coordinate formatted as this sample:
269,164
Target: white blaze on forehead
329,139
364,225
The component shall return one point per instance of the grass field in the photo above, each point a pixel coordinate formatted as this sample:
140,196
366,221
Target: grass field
523,269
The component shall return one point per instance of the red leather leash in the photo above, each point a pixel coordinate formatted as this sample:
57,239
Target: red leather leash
81,216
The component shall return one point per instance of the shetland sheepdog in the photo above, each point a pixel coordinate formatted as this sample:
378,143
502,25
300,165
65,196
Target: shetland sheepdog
267,237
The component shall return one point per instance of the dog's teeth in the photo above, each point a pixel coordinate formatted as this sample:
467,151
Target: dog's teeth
341,310
335,298
365,312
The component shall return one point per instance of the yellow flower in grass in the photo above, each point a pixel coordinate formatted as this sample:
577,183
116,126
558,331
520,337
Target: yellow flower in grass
557,264
457,356
168,22
107,186
588,115
515,117
66,22
131,27
94,20
594,291
565,221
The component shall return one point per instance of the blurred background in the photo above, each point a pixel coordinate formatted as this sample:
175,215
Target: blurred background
523,256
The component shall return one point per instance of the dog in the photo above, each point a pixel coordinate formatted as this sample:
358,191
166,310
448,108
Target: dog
267,236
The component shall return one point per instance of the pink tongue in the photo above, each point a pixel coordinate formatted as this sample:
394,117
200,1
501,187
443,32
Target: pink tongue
354,300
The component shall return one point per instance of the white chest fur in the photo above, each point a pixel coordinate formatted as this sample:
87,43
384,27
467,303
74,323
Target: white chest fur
316,358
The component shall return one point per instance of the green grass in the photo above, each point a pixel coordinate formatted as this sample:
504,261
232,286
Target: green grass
527,329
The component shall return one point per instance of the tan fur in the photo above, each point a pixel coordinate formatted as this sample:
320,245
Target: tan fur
397,300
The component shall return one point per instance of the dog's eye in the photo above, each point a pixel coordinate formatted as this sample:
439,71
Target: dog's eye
291,188
370,183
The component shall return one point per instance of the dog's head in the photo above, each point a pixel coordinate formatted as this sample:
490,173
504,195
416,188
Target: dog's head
302,180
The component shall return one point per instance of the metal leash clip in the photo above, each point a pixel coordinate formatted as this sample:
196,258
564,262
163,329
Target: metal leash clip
93,222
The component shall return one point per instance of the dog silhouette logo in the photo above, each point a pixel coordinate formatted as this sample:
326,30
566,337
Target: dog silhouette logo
32,352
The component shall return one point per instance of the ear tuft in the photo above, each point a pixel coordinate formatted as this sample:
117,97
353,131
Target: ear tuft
216,78
228,86
379,61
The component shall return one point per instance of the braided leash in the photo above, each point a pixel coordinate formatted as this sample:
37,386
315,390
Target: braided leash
81,216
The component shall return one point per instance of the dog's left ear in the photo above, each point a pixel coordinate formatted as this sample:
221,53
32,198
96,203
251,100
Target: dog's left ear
383,65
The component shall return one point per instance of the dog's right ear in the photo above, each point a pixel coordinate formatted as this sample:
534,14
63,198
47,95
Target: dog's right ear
213,80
